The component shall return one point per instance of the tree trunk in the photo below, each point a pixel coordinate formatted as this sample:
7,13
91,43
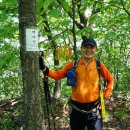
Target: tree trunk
33,111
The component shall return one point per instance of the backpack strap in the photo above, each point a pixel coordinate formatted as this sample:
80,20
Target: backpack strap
98,67
99,72
75,64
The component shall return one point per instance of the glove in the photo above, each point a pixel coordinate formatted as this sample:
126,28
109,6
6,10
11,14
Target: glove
41,64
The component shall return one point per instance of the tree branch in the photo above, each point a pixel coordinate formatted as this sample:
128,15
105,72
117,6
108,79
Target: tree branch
118,6
125,8
83,19
79,25
73,29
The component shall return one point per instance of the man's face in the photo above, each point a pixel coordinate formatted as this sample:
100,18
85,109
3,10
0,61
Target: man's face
88,51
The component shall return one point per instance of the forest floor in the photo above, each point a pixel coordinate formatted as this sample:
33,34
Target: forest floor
118,114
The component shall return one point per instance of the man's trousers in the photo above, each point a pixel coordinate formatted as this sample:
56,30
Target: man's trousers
78,121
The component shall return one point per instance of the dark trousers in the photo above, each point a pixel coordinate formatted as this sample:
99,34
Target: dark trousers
78,121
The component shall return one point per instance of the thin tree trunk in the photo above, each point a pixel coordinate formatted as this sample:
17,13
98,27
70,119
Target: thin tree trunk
57,88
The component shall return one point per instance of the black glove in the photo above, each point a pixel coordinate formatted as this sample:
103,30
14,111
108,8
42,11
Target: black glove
41,64
42,67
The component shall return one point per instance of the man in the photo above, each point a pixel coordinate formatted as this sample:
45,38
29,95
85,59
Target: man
85,95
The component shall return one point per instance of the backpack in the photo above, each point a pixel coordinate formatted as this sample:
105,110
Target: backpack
71,74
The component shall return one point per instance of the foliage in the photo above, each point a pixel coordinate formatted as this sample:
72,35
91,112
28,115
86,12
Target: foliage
121,114
10,78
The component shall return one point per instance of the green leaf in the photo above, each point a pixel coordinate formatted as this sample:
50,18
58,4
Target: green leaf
66,22
95,19
98,20
110,35
55,13
47,3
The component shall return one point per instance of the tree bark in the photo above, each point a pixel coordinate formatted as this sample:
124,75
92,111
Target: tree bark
33,112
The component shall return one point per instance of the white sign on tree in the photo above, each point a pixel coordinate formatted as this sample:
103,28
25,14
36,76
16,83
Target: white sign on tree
31,40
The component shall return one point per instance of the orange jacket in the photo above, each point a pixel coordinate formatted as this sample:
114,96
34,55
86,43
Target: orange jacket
87,89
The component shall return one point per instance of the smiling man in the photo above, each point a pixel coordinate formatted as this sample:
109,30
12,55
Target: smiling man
85,99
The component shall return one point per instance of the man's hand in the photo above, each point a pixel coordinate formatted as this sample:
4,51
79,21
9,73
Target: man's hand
42,66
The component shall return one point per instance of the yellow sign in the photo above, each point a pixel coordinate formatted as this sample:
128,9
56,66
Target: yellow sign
63,52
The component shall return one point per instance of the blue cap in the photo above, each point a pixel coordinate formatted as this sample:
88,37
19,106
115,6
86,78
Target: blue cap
89,41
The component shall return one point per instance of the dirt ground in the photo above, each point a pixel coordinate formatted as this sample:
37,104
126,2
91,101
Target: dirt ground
118,114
